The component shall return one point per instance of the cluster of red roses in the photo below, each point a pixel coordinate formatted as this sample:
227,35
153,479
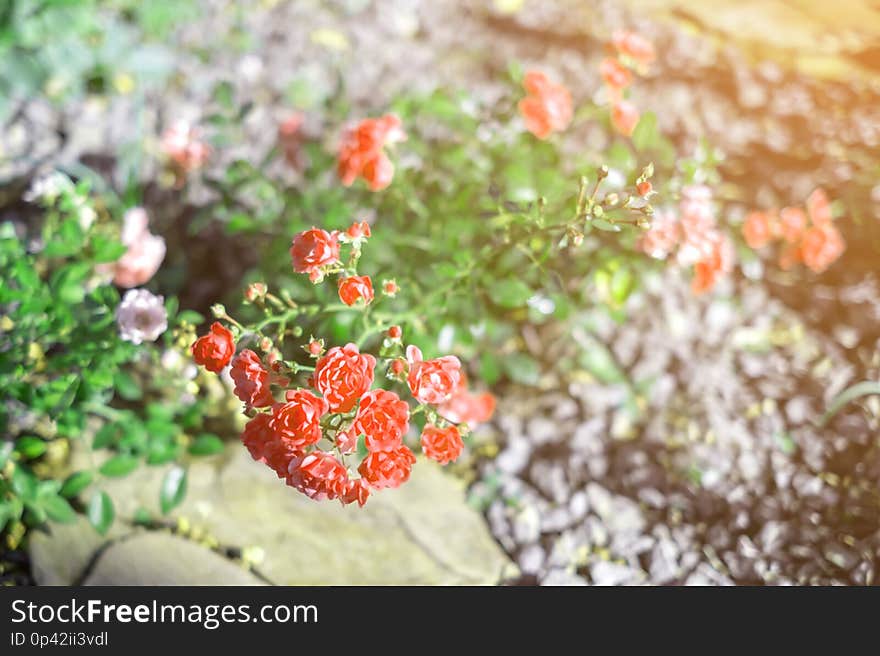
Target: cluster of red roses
339,405
547,107
633,53
362,153
692,233
809,237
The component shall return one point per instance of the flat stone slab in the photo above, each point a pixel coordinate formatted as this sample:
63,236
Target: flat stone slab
423,533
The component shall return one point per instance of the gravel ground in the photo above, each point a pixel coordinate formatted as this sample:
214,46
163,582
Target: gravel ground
722,477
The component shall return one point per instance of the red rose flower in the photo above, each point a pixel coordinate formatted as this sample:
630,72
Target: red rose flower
391,469
378,172
442,444
624,117
615,74
298,421
290,138
819,207
214,350
708,270
251,380
359,229
318,475
361,154
397,366
383,418
343,375
792,223
265,446
547,108
353,288
468,408
821,246
634,46
432,381
313,249
357,490
758,229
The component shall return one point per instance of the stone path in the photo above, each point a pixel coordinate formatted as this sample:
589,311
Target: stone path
423,533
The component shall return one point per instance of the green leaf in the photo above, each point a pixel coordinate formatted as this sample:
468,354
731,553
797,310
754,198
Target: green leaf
120,465
646,135
206,444
76,483
100,512
126,386
105,249
6,449
31,447
362,451
510,292
58,509
173,489
190,316
24,483
490,369
849,395
598,361
522,369
105,436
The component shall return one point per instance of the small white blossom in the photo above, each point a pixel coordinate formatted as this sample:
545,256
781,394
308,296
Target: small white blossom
47,188
141,316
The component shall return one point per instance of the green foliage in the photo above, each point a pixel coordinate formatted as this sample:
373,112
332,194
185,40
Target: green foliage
66,375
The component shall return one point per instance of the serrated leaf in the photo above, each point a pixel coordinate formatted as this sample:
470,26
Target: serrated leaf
100,512
173,489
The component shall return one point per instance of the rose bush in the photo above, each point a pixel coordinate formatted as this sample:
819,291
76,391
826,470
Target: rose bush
335,437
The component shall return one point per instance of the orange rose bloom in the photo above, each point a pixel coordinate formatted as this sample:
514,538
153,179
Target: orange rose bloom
298,422
354,288
821,246
214,350
432,381
547,108
251,380
624,117
343,375
383,418
313,249
758,230
442,444
391,469
615,74
792,223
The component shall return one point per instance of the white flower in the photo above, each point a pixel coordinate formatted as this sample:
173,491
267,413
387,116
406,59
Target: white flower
48,187
141,316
